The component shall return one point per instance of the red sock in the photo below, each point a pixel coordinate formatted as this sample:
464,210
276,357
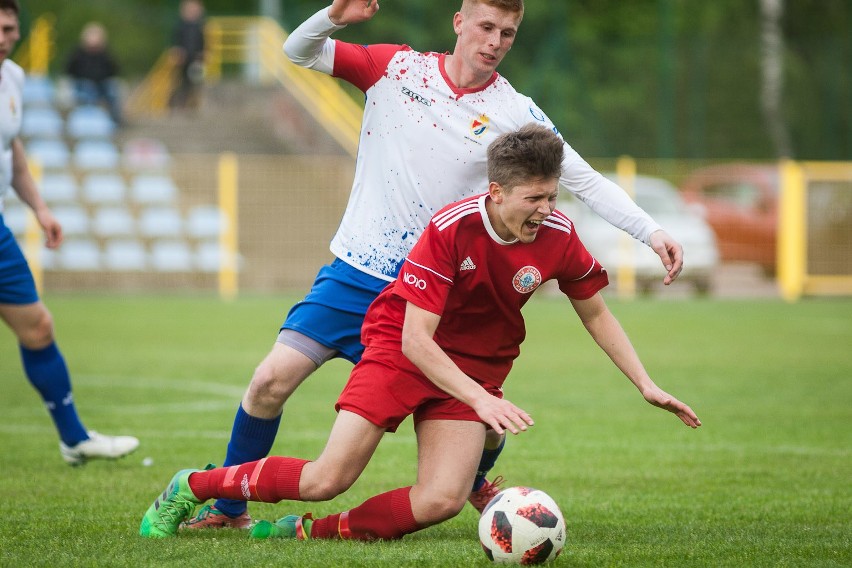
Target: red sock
269,480
387,516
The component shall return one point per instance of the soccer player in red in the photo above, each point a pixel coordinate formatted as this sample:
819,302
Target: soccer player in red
439,341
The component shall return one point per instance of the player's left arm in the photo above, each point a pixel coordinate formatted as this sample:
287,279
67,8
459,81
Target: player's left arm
26,188
610,336
418,331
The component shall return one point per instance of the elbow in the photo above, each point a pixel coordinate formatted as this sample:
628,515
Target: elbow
289,51
411,346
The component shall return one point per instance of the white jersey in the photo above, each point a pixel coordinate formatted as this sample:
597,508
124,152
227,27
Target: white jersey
11,106
423,145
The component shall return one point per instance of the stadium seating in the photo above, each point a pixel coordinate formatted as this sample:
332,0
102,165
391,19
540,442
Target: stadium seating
49,153
150,189
104,188
205,222
79,255
42,122
161,222
125,254
171,256
95,154
38,91
15,217
89,121
121,210
145,154
113,221
74,220
59,188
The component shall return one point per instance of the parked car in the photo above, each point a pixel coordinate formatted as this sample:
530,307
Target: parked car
740,201
614,248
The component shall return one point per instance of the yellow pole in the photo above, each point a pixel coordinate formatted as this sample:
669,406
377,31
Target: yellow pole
228,285
625,280
33,238
792,232
40,44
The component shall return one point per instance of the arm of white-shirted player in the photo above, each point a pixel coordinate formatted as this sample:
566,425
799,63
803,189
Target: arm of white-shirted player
310,45
605,197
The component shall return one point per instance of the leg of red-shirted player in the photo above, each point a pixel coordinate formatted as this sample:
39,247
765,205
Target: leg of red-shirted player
387,516
269,480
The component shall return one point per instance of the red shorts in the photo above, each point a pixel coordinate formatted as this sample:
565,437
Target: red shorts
385,387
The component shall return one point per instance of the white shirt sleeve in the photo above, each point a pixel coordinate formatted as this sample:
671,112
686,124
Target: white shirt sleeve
310,45
605,197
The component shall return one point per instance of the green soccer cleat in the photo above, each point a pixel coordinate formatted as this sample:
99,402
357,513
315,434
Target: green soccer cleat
291,526
177,503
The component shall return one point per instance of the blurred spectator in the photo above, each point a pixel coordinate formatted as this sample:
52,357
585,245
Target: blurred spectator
188,53
94,71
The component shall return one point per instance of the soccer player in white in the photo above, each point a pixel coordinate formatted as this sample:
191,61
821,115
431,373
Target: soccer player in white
428,120
20,307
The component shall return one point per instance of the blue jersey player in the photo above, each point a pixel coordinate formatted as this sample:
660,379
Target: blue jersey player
20,307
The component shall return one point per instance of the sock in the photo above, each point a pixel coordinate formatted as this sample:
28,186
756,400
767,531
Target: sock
387,516
46,370
489,458
251,440
269,480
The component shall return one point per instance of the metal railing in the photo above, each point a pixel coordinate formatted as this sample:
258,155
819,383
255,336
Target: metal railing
256,43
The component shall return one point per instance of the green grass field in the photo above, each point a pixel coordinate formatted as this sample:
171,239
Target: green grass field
766,481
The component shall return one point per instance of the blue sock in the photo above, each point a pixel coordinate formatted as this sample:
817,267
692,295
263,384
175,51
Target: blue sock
489,458
46,370
251,440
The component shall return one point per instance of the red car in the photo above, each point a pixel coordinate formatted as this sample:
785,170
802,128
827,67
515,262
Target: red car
740,202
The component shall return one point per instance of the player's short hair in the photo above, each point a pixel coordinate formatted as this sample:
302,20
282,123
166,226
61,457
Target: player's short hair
507,5
11,6
532,153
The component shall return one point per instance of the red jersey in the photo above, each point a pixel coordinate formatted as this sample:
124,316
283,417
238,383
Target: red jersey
463,271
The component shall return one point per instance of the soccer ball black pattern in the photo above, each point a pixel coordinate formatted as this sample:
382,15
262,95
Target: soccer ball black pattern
521,525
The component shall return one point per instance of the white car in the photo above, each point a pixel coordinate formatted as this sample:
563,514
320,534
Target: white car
618,251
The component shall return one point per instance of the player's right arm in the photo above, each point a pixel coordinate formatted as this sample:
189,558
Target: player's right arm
418,331
25,186
310,45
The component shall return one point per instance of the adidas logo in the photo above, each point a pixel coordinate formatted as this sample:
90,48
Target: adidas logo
467,264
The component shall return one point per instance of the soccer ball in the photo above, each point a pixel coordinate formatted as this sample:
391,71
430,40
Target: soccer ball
521,525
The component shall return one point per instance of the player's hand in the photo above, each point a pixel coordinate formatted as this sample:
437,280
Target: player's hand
52,228
502,415
670,252
660,398
345,12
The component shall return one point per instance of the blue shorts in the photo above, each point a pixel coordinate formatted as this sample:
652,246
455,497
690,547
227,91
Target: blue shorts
16,281
333,311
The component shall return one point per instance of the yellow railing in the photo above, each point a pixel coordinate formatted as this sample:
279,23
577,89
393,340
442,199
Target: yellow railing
257,42
151,97
35,52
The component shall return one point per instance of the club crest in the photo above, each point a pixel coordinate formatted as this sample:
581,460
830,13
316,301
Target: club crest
526,279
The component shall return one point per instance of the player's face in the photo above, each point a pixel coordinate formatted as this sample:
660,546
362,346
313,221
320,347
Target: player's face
519,212
9,33
485,35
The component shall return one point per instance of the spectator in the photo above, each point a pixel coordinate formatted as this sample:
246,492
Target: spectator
188,53
94,71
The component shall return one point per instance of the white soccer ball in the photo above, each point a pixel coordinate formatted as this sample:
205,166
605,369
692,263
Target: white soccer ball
521,525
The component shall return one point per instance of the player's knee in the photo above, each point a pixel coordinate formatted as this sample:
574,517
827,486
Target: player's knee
269,385
39,331
441,507
325,487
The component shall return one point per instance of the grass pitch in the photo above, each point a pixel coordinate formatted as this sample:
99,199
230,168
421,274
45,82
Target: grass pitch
764,482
